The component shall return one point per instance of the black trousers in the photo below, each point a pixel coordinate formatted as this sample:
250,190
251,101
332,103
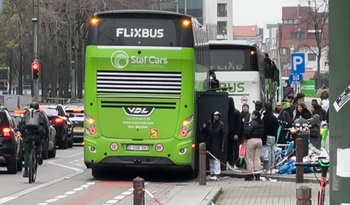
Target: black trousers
232,149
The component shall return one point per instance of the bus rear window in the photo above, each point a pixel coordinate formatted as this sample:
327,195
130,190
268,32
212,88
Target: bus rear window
232,60
129,31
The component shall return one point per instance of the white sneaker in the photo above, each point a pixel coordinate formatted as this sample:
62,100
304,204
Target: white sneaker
228,166
214,178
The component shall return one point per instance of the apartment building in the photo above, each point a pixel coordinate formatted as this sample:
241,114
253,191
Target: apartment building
224,19
297,33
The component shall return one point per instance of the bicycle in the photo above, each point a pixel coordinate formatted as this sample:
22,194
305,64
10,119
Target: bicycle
324,164
33,163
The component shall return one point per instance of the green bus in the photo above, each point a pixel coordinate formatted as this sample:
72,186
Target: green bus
142,71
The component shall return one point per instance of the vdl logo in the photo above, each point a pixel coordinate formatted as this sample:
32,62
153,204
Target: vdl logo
120,59
138,111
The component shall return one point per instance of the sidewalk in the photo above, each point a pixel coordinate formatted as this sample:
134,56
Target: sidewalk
308,177
237,191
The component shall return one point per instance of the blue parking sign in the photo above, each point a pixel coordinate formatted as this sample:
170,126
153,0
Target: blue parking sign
297,62
295,78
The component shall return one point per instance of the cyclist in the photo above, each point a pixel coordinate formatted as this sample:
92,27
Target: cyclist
33,134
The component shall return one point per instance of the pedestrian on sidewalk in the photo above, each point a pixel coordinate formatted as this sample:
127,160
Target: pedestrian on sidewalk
234,131
270,129
214,133
254,134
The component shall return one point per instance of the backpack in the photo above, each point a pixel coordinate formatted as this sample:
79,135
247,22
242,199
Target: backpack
32,117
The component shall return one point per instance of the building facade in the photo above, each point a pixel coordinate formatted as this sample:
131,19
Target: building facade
251,33
203,10
224,19
297,33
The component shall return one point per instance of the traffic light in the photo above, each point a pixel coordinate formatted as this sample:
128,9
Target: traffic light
35,70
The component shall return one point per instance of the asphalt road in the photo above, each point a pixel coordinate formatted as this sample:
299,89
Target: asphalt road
65,180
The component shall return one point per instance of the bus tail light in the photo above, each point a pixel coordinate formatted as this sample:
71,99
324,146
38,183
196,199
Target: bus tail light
91,125
185,124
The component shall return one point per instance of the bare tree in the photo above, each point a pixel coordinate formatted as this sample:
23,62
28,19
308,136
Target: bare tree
318,24
62,30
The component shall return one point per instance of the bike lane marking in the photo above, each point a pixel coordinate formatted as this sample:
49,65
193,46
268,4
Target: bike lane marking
46,184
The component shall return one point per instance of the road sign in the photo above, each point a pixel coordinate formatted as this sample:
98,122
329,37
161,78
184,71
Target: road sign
295,78
297,62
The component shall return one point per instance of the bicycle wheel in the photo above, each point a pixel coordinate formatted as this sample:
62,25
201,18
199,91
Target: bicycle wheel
33,165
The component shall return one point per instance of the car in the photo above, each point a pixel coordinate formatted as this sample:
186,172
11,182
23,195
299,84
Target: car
49,144
59,119
76,115
11,143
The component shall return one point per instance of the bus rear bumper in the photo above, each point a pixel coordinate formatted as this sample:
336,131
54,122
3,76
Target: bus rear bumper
132,161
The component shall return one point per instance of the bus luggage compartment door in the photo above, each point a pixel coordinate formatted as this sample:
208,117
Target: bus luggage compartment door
207,103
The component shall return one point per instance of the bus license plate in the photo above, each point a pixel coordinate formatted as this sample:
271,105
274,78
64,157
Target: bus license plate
137,147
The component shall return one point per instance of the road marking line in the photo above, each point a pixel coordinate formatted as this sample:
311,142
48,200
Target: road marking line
6,199
112,201
70,192
65,166
119,197
126,193
61,196
43,204
51,200
87,185
35,188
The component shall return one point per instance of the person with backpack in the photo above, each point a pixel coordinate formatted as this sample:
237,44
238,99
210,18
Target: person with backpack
34,126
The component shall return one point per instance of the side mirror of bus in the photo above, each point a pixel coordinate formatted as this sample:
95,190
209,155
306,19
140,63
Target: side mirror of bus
268,65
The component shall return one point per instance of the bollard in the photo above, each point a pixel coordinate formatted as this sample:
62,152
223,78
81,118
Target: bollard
139,193
202,164
303,195
299,172
270,142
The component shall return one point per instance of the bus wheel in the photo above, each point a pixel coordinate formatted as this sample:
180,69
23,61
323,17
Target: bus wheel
96,173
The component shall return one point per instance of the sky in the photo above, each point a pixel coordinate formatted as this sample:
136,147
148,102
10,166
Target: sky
252,12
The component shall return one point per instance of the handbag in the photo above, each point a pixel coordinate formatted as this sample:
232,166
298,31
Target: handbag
241,162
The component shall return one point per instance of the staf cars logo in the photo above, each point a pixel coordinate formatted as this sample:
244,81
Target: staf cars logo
138,111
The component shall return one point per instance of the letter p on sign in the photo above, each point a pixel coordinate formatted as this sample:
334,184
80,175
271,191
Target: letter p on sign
298,63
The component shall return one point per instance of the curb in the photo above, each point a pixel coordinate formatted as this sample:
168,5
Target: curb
212,196
282,178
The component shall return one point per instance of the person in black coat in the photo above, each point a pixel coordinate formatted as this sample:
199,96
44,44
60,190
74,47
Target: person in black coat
214,133
302,111
234,131
287,121
270,123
